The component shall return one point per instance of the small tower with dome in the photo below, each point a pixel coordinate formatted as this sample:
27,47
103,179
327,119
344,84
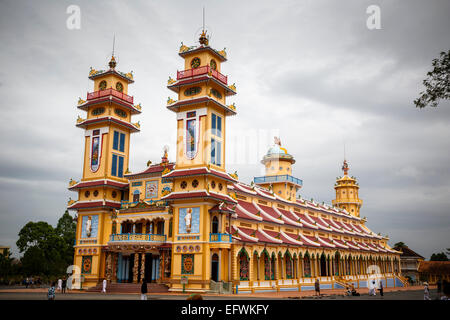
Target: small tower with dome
347,196
278,178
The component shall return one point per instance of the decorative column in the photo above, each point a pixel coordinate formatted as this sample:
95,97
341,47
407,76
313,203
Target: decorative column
135,267
327,265
143,266
115,262
258,275
108,266
302,265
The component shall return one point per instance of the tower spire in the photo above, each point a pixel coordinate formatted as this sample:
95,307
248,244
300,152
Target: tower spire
203,38
112,63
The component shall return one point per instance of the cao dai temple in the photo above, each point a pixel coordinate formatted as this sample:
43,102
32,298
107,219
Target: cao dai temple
190,223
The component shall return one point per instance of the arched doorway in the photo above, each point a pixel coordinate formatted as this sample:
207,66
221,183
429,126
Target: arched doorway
215,267
307,266
323,265
215,225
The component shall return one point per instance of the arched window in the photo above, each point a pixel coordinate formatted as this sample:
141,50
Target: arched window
215,225
288,263
136,194
243,266
307,266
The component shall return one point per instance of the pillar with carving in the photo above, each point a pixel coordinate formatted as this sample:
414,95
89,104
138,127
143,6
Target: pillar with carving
135,267
108,267
143,266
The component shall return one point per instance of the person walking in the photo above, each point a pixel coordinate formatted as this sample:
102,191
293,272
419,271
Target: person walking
51,292
104,286
426,292
64,284
60,284
317,287
144,290
439,288
27,282
381,288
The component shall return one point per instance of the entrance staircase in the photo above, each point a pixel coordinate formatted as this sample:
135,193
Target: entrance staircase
342,282
129,288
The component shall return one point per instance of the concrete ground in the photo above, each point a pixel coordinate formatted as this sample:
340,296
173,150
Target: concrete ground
409,293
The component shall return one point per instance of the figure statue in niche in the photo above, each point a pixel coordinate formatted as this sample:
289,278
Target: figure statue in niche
89,226
188,219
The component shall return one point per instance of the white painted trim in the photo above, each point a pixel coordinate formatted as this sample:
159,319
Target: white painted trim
268,216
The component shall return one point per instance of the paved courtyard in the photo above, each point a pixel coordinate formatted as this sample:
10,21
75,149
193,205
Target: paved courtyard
410,293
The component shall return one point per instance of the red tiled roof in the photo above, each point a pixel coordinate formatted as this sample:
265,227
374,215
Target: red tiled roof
268,214
319,223
263,238
88,184
197,171
197,194
108,119
292,236
288,216
94,204
109,98
310,241
339,243
153,169
225,208
248,234
325,242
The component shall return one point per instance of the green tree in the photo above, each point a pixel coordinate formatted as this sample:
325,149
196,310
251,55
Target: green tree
437,84
441,256
400,245
66,229
43,249
6,267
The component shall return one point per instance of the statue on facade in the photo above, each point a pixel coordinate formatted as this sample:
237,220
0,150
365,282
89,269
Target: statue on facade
89,226
188,219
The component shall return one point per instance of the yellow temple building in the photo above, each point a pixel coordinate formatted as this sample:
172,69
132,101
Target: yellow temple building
188,224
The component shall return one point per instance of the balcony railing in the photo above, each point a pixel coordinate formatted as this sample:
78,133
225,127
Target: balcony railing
220,237
202,70
280,178
107,92
156,203
137,237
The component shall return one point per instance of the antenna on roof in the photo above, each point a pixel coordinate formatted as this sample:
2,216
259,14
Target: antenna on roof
114,42
203,18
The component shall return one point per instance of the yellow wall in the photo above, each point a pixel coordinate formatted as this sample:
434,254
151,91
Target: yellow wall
111,81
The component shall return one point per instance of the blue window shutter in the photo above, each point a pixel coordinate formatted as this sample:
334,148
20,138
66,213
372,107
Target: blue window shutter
219,153
116,141
122,142
120,173
114,165
213,151
219,126
213,124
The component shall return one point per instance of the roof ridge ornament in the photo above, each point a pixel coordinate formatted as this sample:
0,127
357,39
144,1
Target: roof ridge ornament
345,167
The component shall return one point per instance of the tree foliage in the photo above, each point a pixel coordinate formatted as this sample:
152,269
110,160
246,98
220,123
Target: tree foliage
47,250
441,256
437,83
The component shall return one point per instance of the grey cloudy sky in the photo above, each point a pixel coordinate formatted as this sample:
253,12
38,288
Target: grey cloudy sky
310,71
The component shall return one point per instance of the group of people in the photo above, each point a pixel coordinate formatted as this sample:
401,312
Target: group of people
32,282
373,288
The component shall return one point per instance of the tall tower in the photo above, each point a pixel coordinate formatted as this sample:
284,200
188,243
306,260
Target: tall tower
107,128
347,193
200,194
278,163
